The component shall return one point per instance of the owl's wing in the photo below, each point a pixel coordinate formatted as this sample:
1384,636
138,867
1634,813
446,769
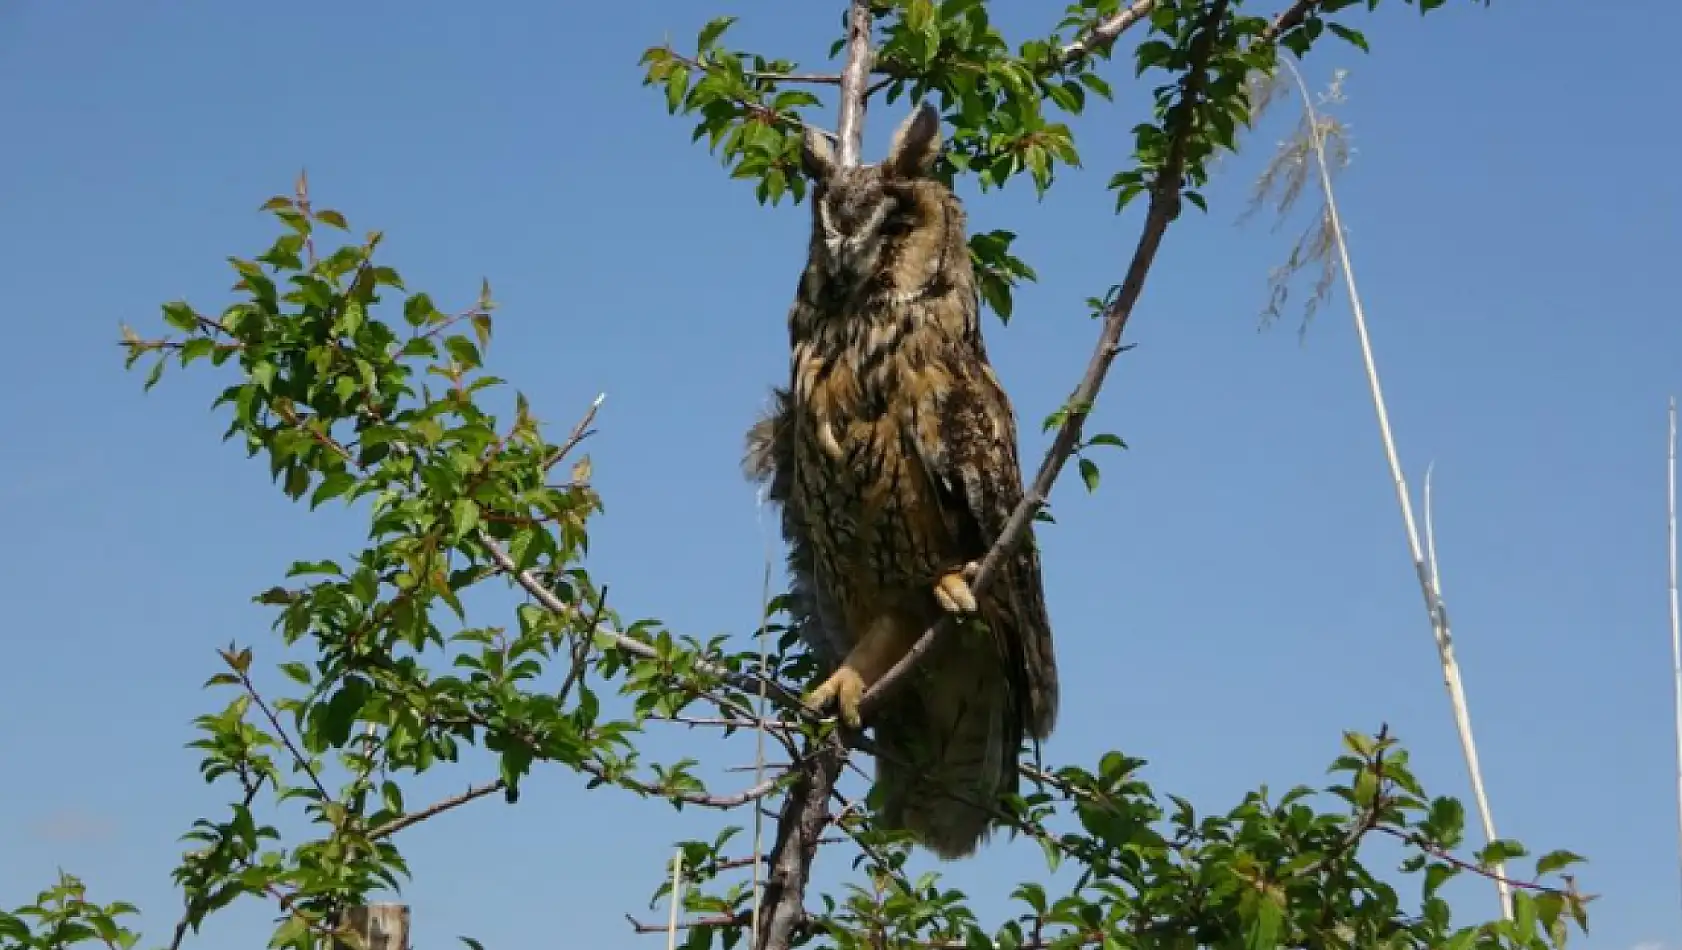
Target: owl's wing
769,461
965,437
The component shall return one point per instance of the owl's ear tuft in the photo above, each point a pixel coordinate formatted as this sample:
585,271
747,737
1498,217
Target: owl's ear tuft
817,155
916,144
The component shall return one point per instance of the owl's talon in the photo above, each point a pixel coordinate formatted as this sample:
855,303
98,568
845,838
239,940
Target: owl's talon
953,594
846,687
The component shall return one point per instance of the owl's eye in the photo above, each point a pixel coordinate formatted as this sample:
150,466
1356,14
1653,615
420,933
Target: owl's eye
897,223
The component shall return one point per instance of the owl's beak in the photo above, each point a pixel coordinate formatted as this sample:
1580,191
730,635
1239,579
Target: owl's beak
851,257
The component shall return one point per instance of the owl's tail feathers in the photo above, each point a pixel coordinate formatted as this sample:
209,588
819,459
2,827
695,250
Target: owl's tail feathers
949,752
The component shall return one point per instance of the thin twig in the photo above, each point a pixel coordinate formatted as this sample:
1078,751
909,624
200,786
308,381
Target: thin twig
581,650
729,722
285,737
717,920
188,918
579,433
1414,839
437,808
689,798
776,692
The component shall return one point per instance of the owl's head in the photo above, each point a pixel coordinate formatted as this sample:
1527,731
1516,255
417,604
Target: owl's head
861,212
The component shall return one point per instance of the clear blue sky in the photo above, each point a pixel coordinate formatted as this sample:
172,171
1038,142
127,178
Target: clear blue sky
1236,594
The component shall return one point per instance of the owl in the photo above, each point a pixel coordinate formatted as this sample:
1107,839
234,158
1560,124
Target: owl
892,453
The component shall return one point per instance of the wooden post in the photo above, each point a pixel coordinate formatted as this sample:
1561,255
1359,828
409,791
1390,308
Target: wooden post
381,926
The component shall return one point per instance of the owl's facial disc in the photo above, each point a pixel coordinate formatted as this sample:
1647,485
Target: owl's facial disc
857,220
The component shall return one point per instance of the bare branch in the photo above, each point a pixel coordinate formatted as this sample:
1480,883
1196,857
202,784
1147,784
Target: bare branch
689,798
579,433
717,920
581,649
437,808
776,692
800,824
274,722
810,79
855,78
1103,34
1292,16
729,722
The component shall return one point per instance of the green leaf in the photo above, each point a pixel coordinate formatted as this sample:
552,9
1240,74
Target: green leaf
1554,860
1436,873
418,309
677,86
339,715
196,348
464,515
262,374
180,316
1264,930
1366,788
1354,37
712,31
334,485
1106,438
1359,744
463,351
1089,474
294,931
1499,850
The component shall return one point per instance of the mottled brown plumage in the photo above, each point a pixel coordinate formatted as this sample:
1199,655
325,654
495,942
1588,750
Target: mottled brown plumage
893,455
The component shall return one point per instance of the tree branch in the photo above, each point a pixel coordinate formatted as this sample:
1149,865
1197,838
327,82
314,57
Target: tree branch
855,79
1293,15
437,808
800,825
274,722
716,920
1103,34
776,692
722,802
